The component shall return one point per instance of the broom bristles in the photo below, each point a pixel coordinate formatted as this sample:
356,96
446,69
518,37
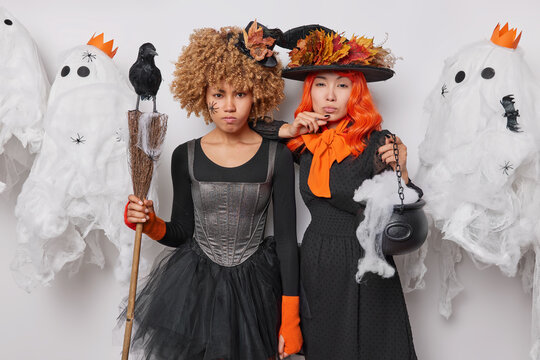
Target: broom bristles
145,140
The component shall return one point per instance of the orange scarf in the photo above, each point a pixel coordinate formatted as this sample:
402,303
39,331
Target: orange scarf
326,147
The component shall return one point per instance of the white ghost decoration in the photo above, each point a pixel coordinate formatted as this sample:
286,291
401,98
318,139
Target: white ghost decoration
79,183
480,160
23,99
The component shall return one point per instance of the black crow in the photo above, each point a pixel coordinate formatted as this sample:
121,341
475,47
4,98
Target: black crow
144,74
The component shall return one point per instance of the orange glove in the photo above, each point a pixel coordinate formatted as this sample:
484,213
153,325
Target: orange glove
132,226
154,227
290,324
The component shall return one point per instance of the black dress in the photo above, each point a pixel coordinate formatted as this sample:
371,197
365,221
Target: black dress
217,295
340,318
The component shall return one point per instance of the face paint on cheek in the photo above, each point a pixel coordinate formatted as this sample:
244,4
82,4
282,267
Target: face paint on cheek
212,107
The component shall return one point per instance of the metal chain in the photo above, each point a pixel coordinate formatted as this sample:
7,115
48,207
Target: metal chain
398,171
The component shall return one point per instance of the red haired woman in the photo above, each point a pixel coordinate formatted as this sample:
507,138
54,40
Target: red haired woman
339,143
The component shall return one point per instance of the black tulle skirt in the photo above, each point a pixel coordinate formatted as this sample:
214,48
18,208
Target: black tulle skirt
192,308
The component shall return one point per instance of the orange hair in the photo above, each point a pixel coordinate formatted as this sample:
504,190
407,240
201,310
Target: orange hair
360,108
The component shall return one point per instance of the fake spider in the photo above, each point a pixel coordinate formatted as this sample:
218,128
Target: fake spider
88,56
79,139
506,167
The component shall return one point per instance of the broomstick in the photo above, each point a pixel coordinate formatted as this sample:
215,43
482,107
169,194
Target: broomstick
146,135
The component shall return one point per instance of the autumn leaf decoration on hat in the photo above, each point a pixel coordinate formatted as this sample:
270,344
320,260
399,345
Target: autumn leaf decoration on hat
317,48
321,48
258,45
257,42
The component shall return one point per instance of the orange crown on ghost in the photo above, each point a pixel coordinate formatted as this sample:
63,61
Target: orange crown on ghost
505,37
107,47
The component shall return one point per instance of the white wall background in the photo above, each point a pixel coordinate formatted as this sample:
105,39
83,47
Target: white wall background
73,318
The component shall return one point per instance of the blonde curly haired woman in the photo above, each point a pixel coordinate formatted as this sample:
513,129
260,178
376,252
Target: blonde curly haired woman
225,292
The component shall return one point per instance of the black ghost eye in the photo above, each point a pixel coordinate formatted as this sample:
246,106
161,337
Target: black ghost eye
460,76
65,71
488,73
8,22
83,71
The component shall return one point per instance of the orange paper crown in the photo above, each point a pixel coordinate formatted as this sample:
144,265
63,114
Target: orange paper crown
504,37
107,47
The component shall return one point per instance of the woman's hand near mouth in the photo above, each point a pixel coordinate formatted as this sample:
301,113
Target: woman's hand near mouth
305,122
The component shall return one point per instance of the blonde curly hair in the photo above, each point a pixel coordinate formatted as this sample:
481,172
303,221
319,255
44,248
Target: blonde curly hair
212,57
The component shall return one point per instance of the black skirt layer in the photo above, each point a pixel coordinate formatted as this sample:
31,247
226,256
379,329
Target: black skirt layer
192,308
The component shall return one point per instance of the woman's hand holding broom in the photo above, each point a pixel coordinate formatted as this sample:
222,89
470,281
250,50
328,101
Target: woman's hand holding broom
138,211
142,212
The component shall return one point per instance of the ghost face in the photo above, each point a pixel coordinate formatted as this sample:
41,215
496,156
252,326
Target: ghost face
330,94
7,24
229,108
85,65
484,99
482,88
10,30
86,110
24,83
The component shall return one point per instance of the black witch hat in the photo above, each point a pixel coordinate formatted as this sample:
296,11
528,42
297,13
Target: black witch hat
317,48
257,42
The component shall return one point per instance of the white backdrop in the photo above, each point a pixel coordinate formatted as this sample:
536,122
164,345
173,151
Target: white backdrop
73,319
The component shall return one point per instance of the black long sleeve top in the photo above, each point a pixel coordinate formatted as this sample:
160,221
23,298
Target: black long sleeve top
181,225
